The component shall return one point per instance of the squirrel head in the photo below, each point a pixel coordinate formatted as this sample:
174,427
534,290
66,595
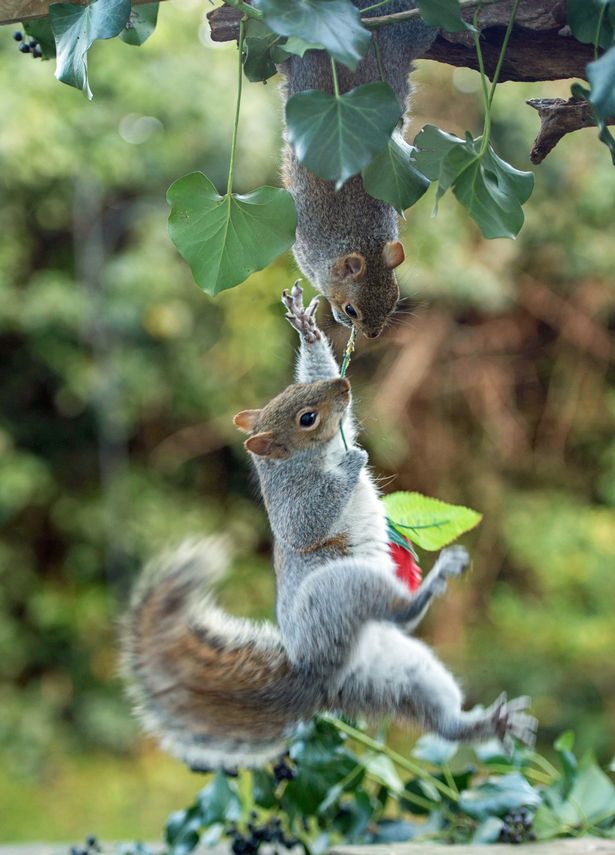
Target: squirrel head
302,416
363,291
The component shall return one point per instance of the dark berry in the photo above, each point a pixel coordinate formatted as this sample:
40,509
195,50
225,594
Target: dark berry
91,840
24,48
18,35
37,53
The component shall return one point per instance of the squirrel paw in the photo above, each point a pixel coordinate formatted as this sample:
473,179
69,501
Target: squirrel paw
452,561
510,719
299,318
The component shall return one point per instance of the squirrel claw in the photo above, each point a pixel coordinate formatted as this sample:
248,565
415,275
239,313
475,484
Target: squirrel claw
510,719
300,318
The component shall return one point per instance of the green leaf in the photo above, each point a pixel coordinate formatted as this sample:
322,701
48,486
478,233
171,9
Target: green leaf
42,32
430,523
76,28
334,25
382,768
298,46
443,13
488,831
263,788
584,16
141,24
258,64
395,831
226,238
546,824
498,796
393,177
434,749
591,798
601,75
493,191
564,745
337,136
219,801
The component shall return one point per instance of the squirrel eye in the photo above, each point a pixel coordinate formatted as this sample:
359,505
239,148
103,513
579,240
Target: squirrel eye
350,310
308,419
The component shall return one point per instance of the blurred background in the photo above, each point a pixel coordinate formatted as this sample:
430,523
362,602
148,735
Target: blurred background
119,379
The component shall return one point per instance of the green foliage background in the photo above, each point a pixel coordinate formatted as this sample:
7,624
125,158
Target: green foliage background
119,379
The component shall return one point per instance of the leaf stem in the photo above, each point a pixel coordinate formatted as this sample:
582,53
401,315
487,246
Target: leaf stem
402,762
599,30
336,85
503,49
378,57
344,368
248,10
375,6
399,17
231,167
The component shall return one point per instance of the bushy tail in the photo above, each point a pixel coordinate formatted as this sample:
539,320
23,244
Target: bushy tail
217,691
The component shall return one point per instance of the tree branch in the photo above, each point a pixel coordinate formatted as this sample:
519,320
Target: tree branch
15,11
558,118
539,49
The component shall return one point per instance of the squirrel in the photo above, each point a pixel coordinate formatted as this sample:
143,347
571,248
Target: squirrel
347,243
222,692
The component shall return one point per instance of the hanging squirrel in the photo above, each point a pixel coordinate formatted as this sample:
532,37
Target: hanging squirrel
347,243
223,692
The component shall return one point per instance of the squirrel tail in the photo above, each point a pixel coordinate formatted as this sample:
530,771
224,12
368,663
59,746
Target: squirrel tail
217,691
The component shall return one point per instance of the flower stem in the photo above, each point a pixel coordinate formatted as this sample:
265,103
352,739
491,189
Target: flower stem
398,759
231,168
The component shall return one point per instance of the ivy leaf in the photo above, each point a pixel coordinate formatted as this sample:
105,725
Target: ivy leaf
429,523
434,749
42,32
258,64
601,75
492,190
445,14
393,177
298,46
584,16
336,136
140,24
488,831
219,801
382,768
334,25
226,238
499,796
76,28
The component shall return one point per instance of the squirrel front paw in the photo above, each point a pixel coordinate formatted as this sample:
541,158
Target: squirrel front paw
452,561
299,318
510,719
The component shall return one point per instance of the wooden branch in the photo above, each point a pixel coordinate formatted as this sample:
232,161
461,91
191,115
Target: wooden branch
558,118
15,11
539,49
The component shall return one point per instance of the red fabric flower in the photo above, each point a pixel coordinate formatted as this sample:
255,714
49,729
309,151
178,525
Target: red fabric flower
407,570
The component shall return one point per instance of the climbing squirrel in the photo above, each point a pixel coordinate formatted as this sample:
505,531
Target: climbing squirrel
347,243
222,692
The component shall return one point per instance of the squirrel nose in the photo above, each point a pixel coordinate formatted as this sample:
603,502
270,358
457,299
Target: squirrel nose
373,333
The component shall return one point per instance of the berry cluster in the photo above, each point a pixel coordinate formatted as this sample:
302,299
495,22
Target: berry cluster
28,47
282,771
517,827
250,841
91,847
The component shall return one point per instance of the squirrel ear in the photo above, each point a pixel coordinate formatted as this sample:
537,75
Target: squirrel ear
264,445
246,420
393,254
350,266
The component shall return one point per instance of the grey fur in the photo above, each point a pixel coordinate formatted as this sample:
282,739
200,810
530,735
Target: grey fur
333,224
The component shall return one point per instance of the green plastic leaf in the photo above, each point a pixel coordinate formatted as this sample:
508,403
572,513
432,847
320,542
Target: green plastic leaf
434,749
337,136
430,523
334,25
226,238
499,796
584,17
445,14
42,32
76,28
141,24
392,175
258,63
601,75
